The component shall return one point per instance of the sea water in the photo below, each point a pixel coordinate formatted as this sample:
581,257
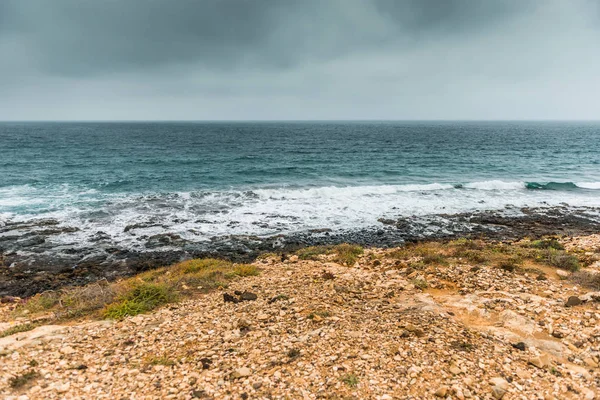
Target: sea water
205,179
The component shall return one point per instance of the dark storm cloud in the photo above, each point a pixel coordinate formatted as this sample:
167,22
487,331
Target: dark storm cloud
88,37
188,59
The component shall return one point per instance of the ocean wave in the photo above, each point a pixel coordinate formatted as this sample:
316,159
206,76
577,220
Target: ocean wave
589,185
562,186
494,185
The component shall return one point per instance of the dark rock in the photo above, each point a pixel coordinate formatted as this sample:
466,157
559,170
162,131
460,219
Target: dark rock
327,276
248,296
206,363
520,346
229,298
573,301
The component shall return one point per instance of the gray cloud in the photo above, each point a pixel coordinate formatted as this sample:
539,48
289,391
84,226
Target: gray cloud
270,59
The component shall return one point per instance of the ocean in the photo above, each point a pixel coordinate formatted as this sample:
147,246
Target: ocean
201,180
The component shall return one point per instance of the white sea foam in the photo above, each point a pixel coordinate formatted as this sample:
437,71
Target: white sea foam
495,185
201,215
588,185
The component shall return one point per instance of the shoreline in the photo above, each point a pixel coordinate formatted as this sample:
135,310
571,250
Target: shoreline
29,264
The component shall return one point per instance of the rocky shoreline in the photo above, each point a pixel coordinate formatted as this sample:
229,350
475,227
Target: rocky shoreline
31,262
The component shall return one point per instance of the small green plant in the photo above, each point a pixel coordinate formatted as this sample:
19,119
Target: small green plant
19,381
142,298
347,254
350,380
17,329
313,252
191,266
510,264
547,244
562,260
245,270
163,360
434,258
420,283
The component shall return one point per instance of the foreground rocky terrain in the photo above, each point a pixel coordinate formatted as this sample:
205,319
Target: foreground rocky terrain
424,323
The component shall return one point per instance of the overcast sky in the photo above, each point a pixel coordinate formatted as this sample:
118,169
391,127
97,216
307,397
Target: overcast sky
299,59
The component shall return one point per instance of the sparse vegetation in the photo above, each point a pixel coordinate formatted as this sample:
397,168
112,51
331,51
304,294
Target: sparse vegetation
313,252
17,329
19,381
586,279
345,254
420,283
138,294
547,244
510,264
320,314
162,360
562,260
350,380
142,298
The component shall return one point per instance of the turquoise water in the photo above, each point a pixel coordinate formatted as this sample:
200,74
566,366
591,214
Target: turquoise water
209,179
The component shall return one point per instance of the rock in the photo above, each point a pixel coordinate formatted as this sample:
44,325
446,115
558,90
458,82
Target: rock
248,296
500,382
562,274
442,391
519,346
67,350
590,362
540,361
498,392
454,370
589,394
241,372
573,301
262,317
227,298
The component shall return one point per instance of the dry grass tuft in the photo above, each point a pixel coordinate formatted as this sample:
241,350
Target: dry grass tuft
586,279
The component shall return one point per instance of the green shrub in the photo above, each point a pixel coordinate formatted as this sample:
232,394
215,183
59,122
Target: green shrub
141,298
347,254
313,252
547,244
434,258
562,260
17,329
586,279
196,265
245,270
350,380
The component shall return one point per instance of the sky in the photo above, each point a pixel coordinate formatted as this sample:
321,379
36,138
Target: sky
299,59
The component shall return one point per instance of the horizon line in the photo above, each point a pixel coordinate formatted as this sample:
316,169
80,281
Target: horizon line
298,120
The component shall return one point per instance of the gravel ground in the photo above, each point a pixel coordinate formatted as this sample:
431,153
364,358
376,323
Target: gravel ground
318,329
